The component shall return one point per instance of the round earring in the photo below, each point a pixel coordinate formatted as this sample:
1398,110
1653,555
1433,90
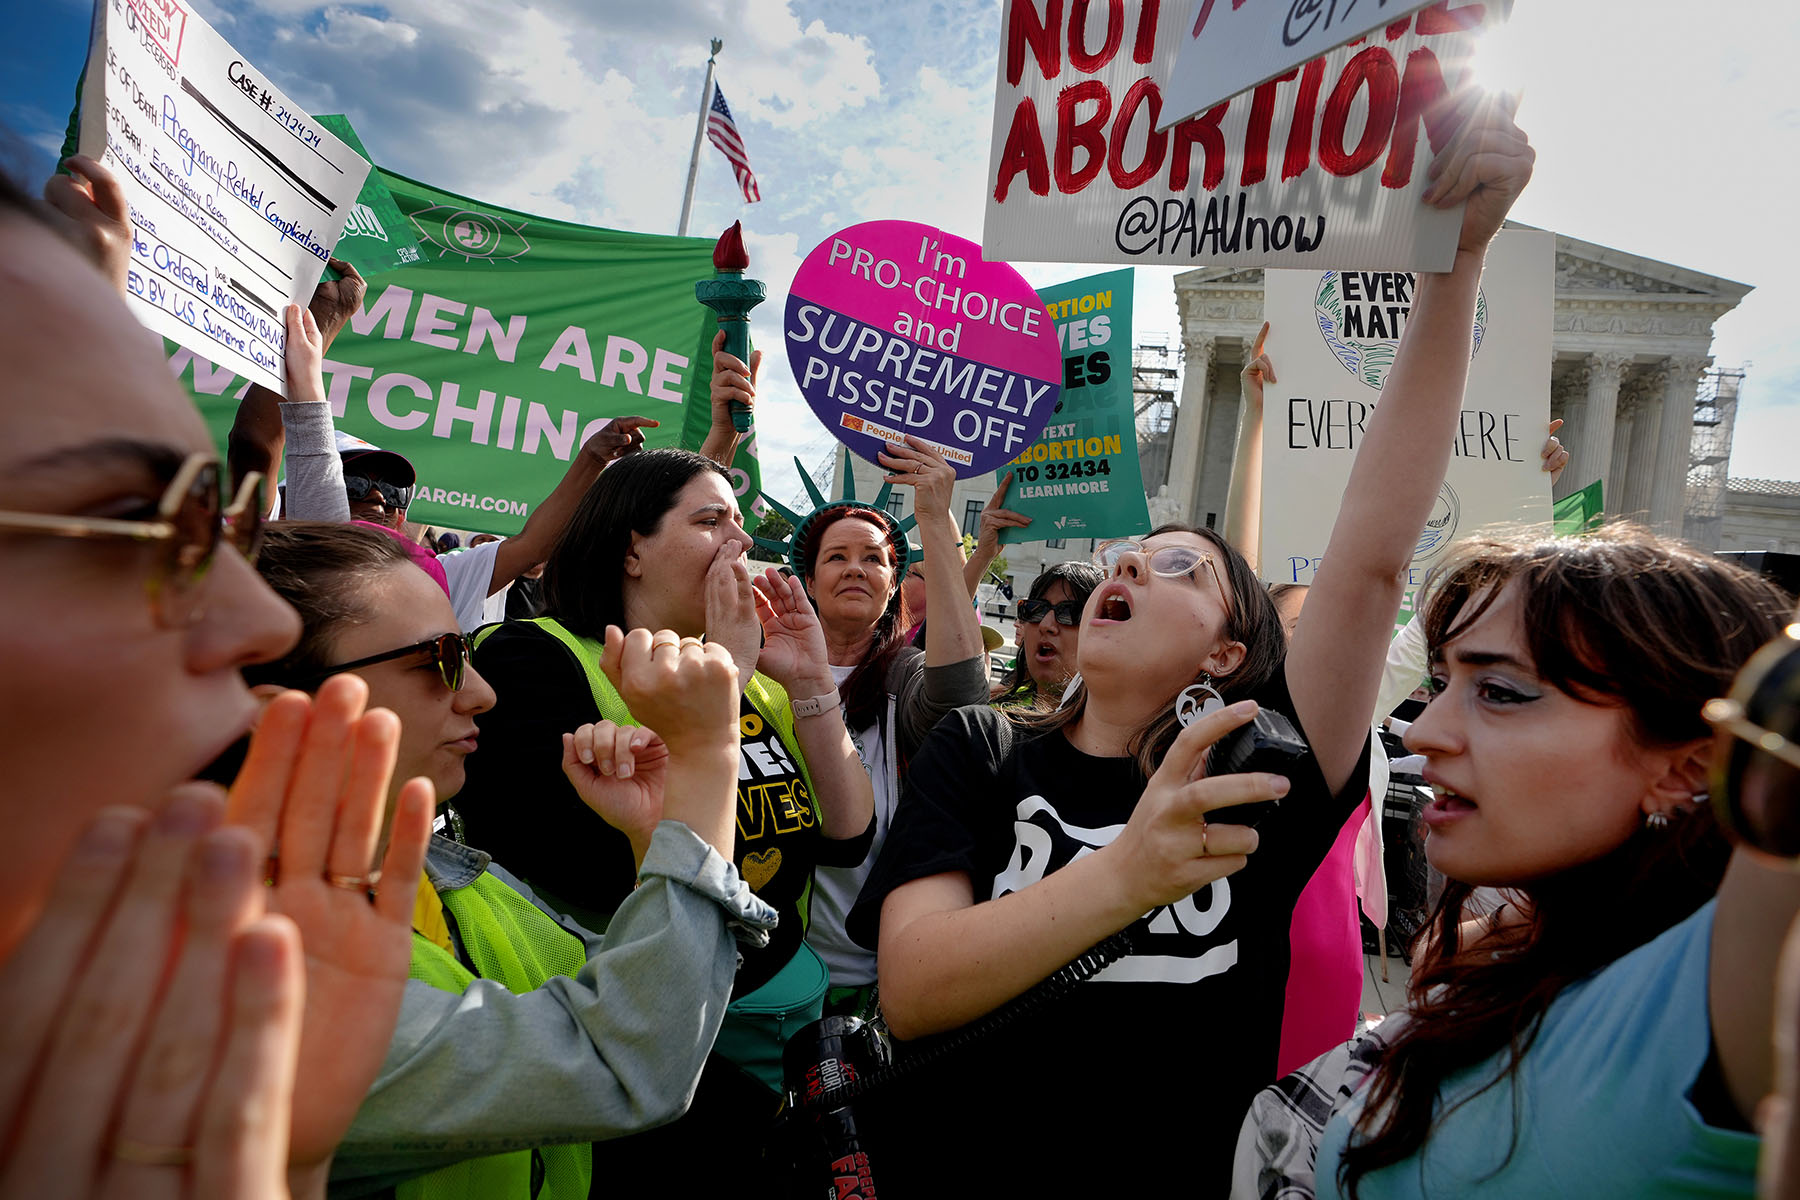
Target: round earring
1656,822
1197,700
1068,696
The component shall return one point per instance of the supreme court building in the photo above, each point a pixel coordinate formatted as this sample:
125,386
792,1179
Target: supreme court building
1633,337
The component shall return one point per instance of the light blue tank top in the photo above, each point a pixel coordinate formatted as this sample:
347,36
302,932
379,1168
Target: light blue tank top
1601,1099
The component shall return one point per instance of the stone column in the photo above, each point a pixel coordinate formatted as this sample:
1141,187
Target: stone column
1187,440
1591,453
1569,403
1640,458
1674,448
1618,467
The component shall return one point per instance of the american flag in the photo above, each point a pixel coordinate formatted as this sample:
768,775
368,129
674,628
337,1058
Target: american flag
722,132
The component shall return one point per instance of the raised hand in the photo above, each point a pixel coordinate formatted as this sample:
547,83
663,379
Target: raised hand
91,208
618,771
152,1017
733,381
313,792
1484,168
1554,455
1167,850
917,465
619,437
305,356
1259,370
994,518
793,640
731,614
688,692
335,301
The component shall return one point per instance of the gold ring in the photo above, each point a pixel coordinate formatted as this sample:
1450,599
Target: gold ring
350,883
1204,852
690,641
144,1154
659,642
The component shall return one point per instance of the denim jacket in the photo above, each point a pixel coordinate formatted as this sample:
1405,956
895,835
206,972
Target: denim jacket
616,1050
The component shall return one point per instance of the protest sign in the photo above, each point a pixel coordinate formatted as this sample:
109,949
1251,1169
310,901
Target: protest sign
1321,166
1332,340
492,360
1081,479
896,328
376,237
1579,512
237,197
1229,48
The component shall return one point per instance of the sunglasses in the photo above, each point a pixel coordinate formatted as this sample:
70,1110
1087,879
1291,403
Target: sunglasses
451,650
1756,776
1170,562
392,495
191,519
1068,612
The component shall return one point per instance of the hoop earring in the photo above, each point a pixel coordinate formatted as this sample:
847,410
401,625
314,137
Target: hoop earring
1197,700
1068,695
1656,822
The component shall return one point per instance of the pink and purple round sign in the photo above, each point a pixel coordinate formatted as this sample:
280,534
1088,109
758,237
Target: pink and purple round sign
897,328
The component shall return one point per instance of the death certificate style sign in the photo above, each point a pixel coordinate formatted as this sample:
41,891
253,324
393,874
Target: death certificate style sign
237,196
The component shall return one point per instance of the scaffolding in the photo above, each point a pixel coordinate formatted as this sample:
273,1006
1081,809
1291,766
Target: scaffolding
1154,370
1709,459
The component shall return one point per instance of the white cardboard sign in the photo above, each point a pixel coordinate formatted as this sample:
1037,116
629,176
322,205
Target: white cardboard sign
1332,338
1236,44
1322,166
237,196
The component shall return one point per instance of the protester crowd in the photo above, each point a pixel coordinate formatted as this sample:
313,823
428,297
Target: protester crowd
486,900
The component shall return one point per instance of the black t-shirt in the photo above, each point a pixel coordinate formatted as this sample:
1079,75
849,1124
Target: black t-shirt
518,806
1140,1077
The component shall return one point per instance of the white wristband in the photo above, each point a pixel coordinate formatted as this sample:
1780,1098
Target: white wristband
815,705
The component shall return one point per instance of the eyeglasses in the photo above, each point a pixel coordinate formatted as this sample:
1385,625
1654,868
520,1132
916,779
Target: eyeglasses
451,651
1068,612
1756,778
190,520
1171,562
392,495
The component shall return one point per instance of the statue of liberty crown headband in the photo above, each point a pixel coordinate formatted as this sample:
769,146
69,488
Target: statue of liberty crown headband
794,545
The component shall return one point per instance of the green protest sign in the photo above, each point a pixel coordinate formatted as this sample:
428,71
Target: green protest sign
1082,477
376,237
514,338
1578,512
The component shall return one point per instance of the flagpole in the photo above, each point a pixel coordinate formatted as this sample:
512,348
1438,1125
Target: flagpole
687,199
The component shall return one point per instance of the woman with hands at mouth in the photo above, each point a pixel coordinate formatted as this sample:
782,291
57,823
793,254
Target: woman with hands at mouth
1023,843
524,1037
658,543
156,1041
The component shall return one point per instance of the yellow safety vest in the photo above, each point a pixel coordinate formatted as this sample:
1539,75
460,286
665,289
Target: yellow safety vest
756,1026
514,944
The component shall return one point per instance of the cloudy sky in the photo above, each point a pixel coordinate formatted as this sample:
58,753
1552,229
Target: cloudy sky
1660,131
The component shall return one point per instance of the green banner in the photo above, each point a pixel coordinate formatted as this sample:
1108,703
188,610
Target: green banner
1082,479
490,361
376,237
1579,512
